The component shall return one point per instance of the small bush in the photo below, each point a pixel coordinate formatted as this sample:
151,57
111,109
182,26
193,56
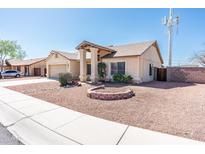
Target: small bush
122,78
102,71
118,77
127,78
65,78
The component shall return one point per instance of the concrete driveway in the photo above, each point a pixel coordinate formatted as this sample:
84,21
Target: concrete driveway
22,82
34,121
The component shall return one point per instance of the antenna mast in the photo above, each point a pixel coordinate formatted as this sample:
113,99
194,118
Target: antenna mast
169,23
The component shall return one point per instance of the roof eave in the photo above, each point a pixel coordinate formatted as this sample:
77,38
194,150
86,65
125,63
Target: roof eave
93,45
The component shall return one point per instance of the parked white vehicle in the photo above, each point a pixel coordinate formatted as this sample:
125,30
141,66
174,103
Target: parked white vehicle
11,73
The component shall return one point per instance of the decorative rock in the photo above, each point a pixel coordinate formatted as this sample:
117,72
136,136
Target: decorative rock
92,93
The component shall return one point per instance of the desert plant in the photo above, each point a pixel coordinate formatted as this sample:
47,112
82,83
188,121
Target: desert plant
65,78
122,78
118,77
102,71
127,78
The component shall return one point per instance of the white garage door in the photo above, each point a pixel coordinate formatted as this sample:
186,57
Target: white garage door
56,69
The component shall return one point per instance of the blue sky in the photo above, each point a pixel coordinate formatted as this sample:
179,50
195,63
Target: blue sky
39,31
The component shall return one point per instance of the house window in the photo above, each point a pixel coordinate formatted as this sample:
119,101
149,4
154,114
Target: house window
56,55
118,67
88,69
150,69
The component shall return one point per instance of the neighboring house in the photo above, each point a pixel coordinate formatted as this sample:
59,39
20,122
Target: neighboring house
137,60
29,67
5,67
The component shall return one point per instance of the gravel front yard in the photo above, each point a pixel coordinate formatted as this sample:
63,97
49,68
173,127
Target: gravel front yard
174,108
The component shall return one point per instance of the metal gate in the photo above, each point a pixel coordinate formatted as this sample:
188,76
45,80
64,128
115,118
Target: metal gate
161,74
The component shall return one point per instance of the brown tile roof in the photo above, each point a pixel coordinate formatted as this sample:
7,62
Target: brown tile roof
85,43
135,49
70,55
17,62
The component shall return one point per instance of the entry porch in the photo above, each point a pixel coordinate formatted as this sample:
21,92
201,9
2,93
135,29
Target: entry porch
97,52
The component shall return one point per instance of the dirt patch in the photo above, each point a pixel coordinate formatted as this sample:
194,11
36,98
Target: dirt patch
174,108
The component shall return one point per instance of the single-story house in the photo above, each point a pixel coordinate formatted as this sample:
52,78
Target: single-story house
4,67
29,67
137,60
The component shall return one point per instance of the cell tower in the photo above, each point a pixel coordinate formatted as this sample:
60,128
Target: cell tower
169,23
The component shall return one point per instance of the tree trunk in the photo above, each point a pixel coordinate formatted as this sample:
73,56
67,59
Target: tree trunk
2,65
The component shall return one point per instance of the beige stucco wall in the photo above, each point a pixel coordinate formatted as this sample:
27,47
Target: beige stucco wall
7,68
75,68
60,60
41,64
131,66
137,66
149,57
72,66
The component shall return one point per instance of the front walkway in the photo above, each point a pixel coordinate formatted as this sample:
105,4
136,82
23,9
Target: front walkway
33,121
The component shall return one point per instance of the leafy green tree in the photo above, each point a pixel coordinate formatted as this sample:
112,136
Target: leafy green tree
10,49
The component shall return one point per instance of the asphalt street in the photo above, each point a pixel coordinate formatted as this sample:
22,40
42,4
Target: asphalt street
6,138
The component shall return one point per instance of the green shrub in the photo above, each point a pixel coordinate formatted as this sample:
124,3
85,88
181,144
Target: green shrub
102,71
65,78
122,78
127,78
118,77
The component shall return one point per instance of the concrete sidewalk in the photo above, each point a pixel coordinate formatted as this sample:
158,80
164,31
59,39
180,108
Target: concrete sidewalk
34,121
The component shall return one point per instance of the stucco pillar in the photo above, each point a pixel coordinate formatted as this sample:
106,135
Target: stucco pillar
94,64
82,65
47,70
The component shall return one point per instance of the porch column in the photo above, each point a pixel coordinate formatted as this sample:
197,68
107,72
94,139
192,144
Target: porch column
94,64
82,65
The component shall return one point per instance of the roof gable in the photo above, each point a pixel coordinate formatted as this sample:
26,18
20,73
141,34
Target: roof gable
70,55
67,55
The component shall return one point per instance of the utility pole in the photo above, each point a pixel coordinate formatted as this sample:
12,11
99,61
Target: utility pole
169,23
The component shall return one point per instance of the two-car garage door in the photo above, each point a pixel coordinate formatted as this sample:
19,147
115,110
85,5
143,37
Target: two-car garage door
54,70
